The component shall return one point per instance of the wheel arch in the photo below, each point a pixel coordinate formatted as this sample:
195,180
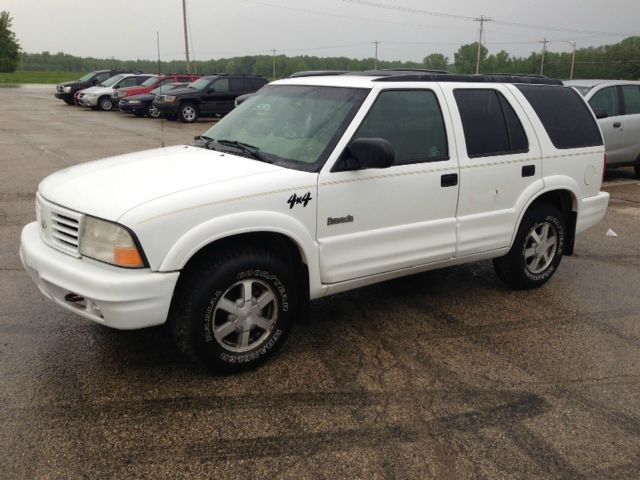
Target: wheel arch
564,199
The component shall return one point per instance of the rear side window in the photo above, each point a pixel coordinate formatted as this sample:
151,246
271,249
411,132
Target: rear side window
411,121
237,84
608,100
127,82
221,85
491,127
631,94
564,115
258,83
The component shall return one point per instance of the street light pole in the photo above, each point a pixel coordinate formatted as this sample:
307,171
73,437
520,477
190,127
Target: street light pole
186,39
376,43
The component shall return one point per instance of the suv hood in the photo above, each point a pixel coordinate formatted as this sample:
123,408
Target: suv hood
108,188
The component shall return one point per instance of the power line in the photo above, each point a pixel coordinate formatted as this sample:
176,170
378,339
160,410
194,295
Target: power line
418,11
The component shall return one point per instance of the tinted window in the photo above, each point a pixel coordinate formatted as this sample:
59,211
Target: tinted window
221,86
103,76
631,94
257,83
127,82
412,121
607,99
564,115
237,84
491,127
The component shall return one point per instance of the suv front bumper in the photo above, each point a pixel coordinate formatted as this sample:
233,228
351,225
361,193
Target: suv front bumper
116,297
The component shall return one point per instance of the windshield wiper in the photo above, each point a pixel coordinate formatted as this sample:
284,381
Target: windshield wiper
208,141
253,151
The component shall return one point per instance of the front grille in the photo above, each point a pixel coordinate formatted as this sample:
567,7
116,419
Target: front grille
60,227
65,232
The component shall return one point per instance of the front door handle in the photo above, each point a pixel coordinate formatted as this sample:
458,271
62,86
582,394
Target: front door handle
617,125
449,180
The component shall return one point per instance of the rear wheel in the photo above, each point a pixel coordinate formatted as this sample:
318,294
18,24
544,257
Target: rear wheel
536,251
234,312
68,101
105,103
188,112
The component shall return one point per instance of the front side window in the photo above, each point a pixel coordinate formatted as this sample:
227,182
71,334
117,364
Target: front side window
607,99
631,94
127,82
109,82
491,127
294,126
411,121
237,85
200,84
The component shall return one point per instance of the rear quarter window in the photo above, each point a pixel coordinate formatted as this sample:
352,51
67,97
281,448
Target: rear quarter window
565,116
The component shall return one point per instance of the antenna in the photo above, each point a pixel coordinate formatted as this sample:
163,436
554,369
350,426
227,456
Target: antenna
159,76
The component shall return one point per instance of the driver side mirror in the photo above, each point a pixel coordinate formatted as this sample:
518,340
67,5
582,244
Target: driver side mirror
365,153
600,113
212,90
95,81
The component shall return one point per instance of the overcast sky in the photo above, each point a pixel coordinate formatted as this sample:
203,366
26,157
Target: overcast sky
126,29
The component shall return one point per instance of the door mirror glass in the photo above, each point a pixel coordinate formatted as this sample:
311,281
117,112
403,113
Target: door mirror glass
364,153
600,113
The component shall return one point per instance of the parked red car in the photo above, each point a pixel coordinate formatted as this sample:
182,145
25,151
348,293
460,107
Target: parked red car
153,83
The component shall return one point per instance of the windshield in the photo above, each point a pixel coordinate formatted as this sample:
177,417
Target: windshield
150,81
583,90
200,84
290,125
110,81
86,77
167,87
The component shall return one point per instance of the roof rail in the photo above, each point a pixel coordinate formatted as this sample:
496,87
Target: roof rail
450,77
317,73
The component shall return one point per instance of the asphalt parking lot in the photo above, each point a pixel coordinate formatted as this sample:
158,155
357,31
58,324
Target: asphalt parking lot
441,375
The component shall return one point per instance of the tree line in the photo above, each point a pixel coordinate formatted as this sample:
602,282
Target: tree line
620,60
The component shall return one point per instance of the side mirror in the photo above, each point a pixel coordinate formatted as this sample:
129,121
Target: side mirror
212,90
600,113
95,81
364,153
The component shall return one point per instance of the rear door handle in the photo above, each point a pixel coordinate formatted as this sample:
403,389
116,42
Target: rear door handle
528,170
617,125
449,180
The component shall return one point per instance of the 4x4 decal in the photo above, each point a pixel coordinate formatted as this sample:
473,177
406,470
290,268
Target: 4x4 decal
296,200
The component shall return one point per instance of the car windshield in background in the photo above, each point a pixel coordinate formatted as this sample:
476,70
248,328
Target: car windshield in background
292,126
200,84
86,77
150,81
111,81
583,90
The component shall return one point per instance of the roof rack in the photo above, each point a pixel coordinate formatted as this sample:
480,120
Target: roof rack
317,73
451,77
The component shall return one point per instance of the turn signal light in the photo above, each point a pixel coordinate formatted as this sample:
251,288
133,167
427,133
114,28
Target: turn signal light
127,257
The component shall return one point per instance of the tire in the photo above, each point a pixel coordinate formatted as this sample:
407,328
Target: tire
152,112
105,103
537,250
214,315
68,101
636,169
188,112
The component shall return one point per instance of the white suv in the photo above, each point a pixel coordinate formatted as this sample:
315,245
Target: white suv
314,186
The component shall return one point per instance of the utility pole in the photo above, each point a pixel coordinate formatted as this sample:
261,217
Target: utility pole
273,57
573,58
482,19
186,38
544,51
376,43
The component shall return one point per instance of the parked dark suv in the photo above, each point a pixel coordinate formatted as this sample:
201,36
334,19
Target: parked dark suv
210,96
65,91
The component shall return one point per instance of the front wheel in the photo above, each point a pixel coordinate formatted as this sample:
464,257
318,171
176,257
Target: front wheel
537,250
152,111
105,103
234,312
188,112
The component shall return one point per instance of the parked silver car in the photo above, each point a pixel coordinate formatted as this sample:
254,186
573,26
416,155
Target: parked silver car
620,99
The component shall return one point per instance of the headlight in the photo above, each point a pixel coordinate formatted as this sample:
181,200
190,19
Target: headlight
66,89
168,98
110,243
133,102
